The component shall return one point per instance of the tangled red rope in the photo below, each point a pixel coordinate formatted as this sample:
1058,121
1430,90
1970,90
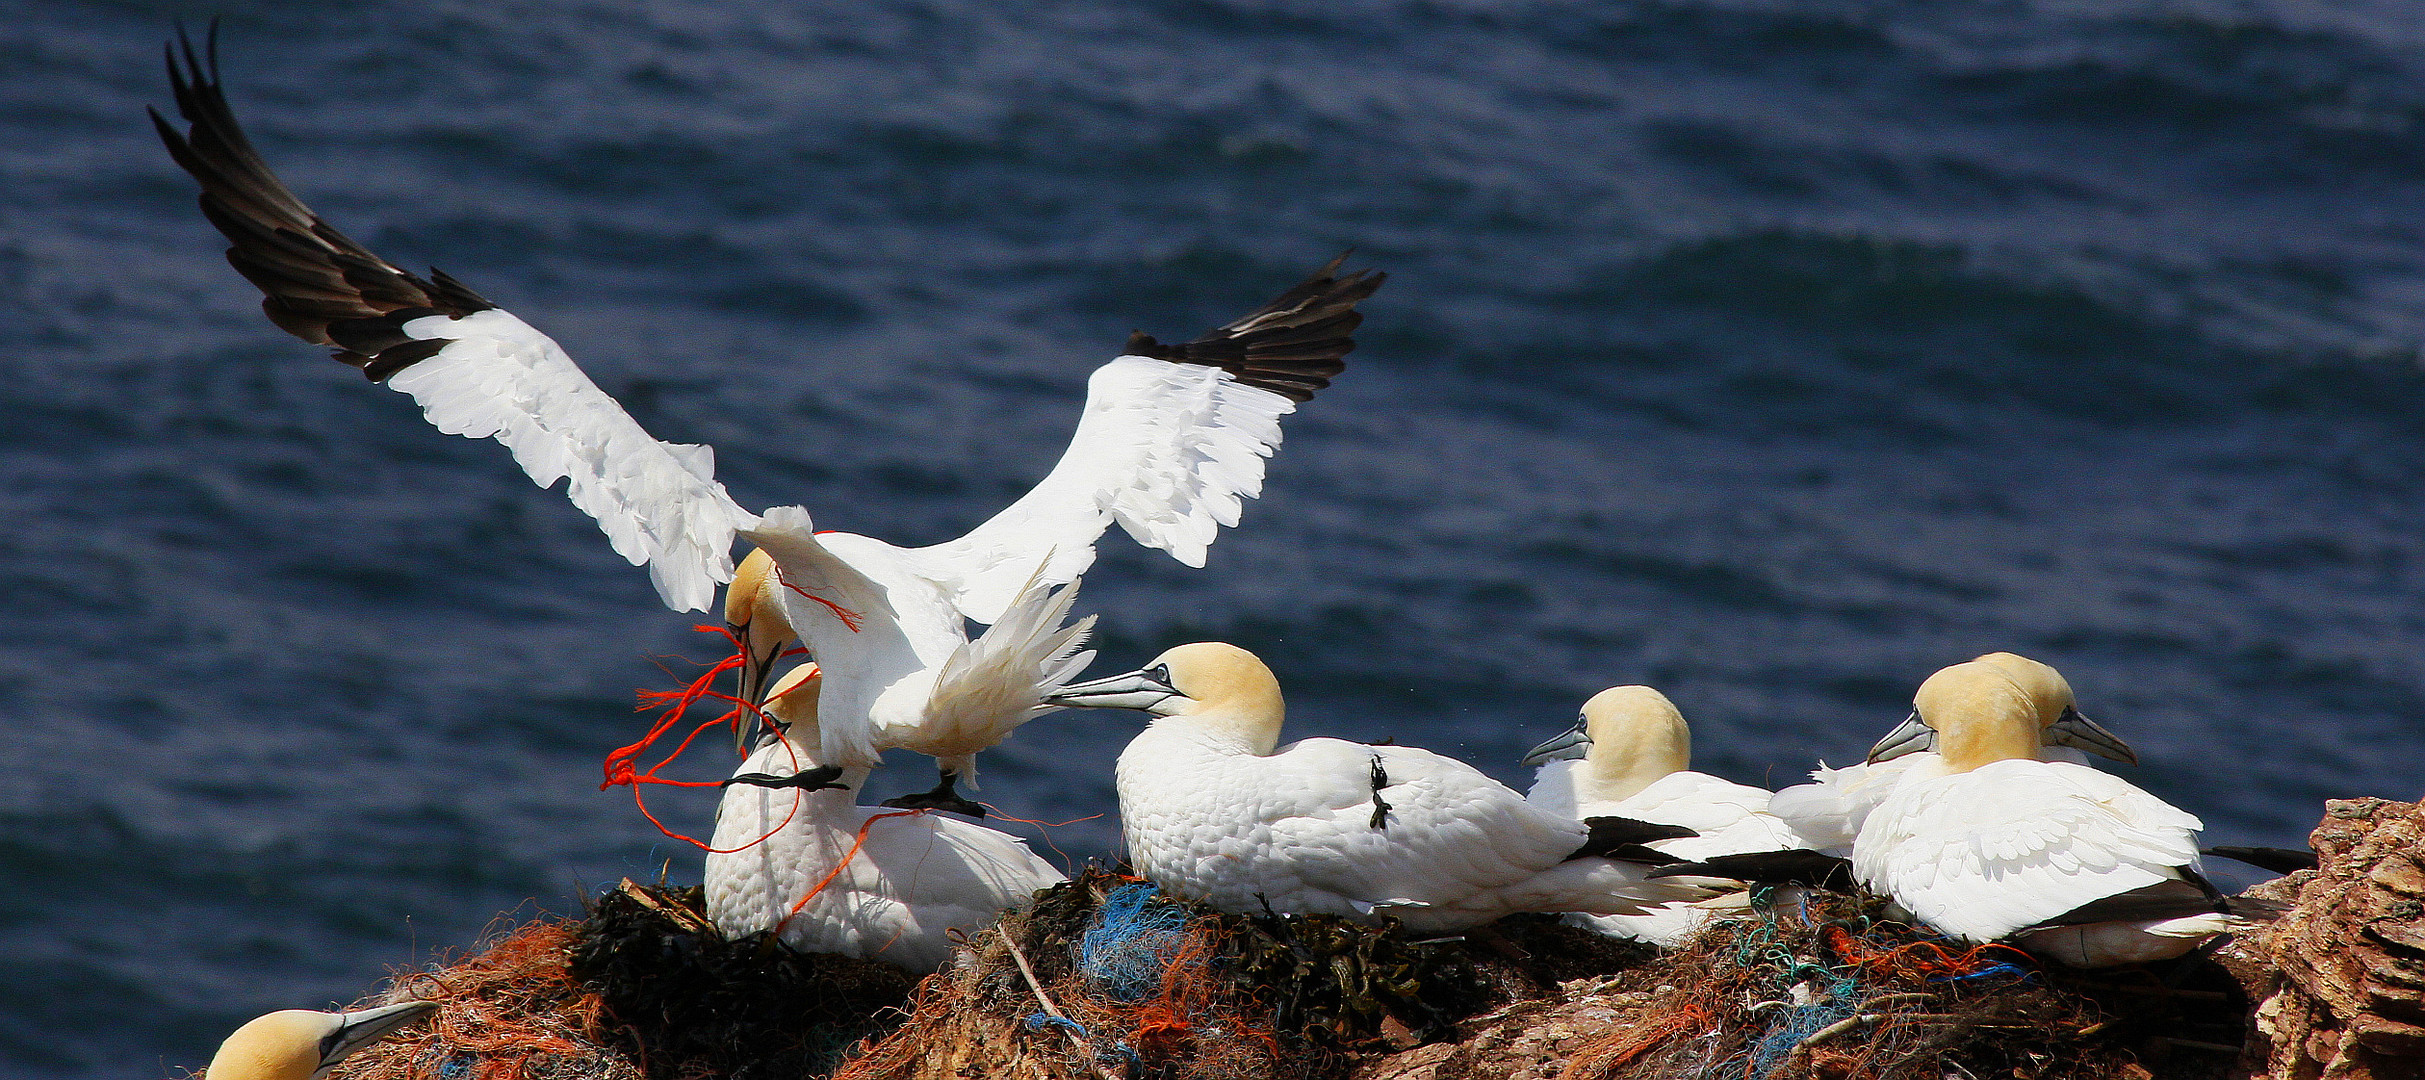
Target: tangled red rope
620,767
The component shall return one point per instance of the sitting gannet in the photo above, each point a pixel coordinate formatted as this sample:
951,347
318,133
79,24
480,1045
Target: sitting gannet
912,880
1984,841
1628,756
1214,810
298,1044
1829,811
1172,436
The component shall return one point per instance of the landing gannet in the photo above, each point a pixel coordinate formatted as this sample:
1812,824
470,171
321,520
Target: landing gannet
1982,840
912,880
1171,437
1628,755
1829,811
298,1044
1214,810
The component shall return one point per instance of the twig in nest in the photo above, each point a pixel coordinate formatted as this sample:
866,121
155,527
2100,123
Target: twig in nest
1075,1040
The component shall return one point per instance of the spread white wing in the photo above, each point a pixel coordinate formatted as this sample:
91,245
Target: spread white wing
477,371
1172,439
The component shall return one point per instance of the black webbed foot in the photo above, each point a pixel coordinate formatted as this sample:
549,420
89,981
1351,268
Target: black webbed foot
945,796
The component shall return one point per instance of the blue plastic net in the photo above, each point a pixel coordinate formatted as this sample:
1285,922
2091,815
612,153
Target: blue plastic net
1130,948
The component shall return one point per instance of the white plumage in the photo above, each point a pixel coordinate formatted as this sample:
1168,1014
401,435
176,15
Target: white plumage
1627,756
1213,810
917,876
1983,841
1828,812
1172,437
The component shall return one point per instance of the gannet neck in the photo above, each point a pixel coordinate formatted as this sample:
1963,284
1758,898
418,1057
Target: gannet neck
793,704
1229,691
1637,737
1981,714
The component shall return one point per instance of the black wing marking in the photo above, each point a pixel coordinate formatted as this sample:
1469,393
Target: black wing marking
2162,900
1793,866
1291,346
2278,860
1380,808
316,284
1622,838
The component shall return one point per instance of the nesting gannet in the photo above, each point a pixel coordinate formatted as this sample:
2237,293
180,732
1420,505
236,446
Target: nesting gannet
912,879
298,1044
1629,755
1214,810
1982,840
1828,812
1171,437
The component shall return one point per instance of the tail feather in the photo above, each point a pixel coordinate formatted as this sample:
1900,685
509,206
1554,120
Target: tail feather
999,680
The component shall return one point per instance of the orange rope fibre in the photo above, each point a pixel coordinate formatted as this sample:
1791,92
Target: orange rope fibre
1926,959
856,843
851,619
619,767
1066,863
1643,1039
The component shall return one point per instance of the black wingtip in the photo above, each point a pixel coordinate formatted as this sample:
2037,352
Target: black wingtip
1793,866
1623,838
1292,346
2278,860
316,283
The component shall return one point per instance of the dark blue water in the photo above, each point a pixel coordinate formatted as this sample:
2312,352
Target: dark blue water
1772,353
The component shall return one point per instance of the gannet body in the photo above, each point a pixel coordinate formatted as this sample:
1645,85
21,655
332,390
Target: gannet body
1213,810
1981,840
1828,812
1628,756
298,1044
913,880
1171,438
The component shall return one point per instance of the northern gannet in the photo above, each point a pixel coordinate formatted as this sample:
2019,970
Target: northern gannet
1828,812
1629,755
298,1044
1213,809
889,885
1984,841
1171,437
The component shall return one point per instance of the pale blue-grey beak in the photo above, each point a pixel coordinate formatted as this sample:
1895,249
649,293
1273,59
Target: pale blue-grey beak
2081,733
1575,743
1148,689
356,1030
1909,737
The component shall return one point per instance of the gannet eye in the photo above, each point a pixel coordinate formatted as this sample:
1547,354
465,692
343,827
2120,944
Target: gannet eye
1160,673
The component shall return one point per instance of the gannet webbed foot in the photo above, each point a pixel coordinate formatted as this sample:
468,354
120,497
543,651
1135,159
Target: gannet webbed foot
817,779
945,796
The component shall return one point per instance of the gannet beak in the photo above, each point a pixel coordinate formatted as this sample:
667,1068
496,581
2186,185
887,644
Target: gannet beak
1575,743
2081,733
1909,737
356,1030
1147,689
752,674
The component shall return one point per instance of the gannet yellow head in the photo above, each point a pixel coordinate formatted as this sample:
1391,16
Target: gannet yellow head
1628,737
299,1044
1221,684
754,614
2053,712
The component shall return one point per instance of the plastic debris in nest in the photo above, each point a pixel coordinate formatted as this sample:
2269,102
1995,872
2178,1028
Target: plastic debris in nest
644,988
1831,991
1105,977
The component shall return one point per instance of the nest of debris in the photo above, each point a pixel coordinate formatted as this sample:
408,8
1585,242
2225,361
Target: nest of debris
1104,977
1828,989
642,988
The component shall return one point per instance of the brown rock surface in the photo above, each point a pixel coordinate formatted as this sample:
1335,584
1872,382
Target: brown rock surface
2340,980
